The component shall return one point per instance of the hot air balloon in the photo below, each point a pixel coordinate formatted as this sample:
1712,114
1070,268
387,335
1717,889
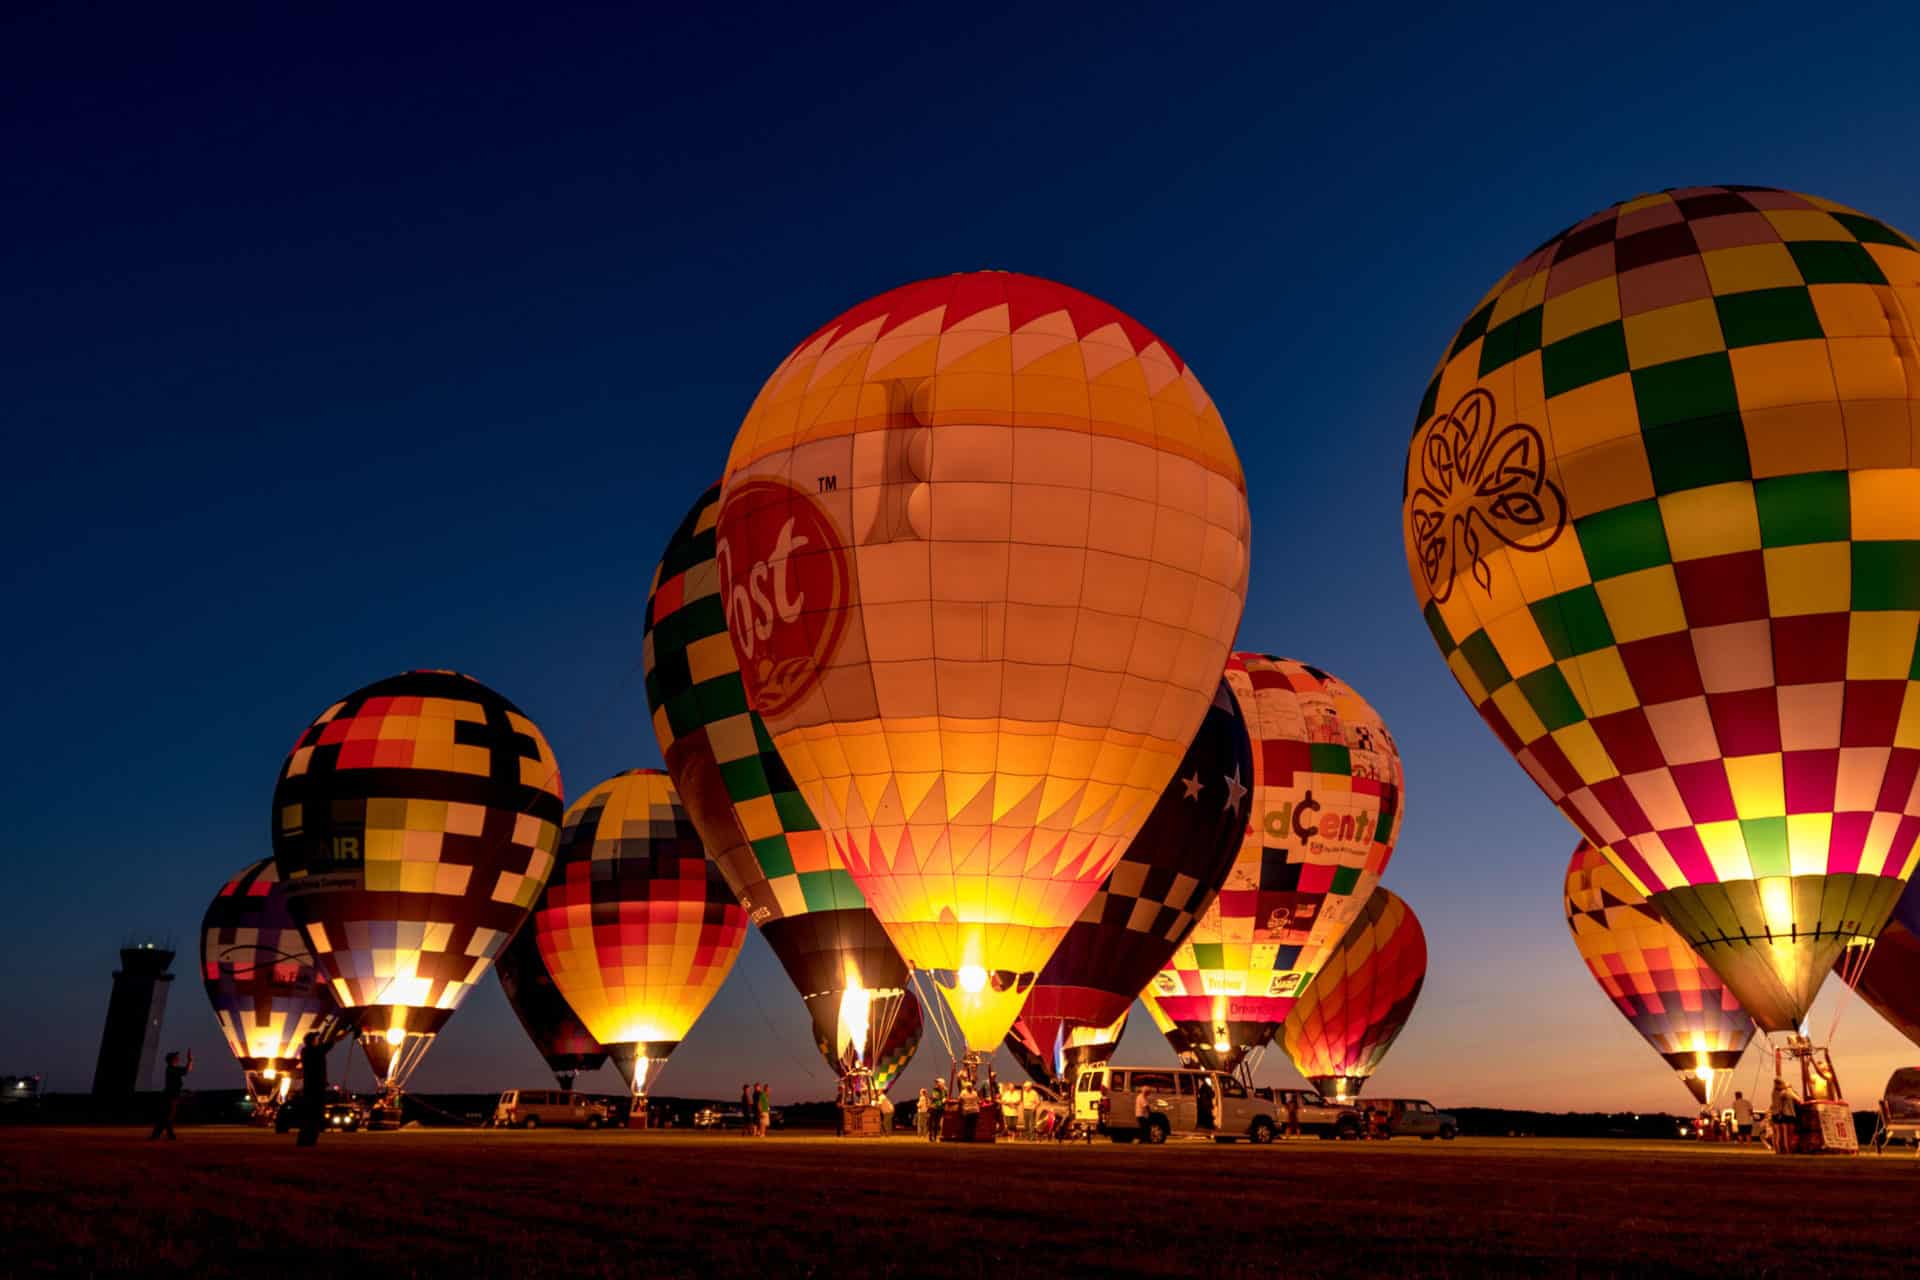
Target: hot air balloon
1663,519
1326,808
982,550
637,927
779,864
413,826
1129,929
1357,1004
901,1043
262,983
562,1039
1888,978
1656,980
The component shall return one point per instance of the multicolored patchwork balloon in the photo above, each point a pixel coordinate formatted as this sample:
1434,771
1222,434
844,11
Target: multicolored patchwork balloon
266,993
1327,804
1673,999
899,1045
637,927
1149,903
1360,1000
549,1021
776,860
1662,512
413,826
982,548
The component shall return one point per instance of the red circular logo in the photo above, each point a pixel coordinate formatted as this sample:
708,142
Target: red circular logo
787,586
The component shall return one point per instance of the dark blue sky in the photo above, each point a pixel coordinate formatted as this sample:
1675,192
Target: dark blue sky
344,344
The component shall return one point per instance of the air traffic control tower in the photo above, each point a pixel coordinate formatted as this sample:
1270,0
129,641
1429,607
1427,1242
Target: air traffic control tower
131,1041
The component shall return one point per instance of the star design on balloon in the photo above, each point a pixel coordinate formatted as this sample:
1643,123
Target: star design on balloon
1473,478
1192,786
1235,791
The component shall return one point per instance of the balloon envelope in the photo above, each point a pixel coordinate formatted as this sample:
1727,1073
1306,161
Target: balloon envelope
413,826
776,861
265,991
636,926
1673,999
1327,797
557,1033
1150,901
1360,1000
982,549
1663,518
1890,982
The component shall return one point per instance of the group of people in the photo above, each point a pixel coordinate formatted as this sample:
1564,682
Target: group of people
985,1108
1741,1123
756,1109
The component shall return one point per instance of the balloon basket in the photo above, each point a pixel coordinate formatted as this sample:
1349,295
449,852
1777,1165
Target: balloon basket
864,1120
1821,1122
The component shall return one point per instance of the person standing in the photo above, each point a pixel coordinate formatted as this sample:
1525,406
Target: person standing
176,1083
1029,1107
1742,1117
313,1089
748,1113
920,1116
1204,1099
1143,1111
936,1109
765,1099
969,1110
1292,1129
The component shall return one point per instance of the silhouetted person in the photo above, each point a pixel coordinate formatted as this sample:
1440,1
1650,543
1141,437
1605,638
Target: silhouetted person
170,1095
1205,1099
313,1089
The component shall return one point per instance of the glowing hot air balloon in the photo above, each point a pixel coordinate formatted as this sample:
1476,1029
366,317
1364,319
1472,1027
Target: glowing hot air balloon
901,1043
1663,518
264,988
413,827
1890,980
637,927
982,550
1360,1000
1326,807
1129,929
556,1031
1652,976
779,864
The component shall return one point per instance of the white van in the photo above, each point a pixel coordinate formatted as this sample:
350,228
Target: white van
1103,1099
531,1108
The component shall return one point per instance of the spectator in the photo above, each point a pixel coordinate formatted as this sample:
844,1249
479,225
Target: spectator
170,1096
1742,1117
1029,1107
1785,1124
1205,1100
920,1115
1143,1111
969,1110
764,1100
747,1111
1292,1127
313,1089
936,1109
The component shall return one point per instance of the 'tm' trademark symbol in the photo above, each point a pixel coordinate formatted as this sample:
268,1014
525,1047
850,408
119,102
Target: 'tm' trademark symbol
829,483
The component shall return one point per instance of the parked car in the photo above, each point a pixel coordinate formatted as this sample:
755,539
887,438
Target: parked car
730,1116
347,1115
531,1108
1416,1118
1318,1116
1103,1096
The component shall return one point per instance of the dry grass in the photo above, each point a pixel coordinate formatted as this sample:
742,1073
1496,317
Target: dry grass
231,1202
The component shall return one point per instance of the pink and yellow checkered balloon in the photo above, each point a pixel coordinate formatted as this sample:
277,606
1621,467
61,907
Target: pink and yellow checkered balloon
1662,509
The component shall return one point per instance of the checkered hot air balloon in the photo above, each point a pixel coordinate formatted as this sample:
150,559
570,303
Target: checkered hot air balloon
1327,800
265,990
1129,929
413,826
778,863
1662,512
549,1021
983,546
637,927
1359,1002
1660,984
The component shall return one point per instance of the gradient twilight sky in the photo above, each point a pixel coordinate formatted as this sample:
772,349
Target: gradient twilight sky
341,344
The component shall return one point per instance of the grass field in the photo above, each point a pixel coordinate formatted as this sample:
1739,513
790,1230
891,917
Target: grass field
225,1201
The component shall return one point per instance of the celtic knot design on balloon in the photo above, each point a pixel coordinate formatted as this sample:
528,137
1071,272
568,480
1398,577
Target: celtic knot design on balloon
1474,478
